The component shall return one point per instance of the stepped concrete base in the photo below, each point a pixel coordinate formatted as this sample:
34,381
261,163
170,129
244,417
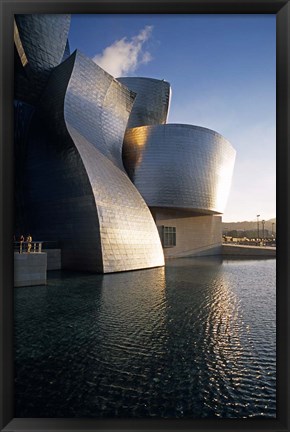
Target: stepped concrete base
30,269
255,251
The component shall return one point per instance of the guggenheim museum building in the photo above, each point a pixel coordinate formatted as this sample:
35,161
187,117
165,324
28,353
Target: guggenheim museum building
98,168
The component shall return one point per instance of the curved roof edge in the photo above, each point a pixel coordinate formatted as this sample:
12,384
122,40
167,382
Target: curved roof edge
143,78
185,125
194,210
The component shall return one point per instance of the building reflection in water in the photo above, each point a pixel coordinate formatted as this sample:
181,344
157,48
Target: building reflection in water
187,340
212,358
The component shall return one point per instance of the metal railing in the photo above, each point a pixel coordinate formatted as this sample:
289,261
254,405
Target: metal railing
28,247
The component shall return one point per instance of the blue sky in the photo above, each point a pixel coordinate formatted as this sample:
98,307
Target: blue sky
222,70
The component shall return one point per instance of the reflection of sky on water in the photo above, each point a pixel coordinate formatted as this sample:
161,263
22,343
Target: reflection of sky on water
193,339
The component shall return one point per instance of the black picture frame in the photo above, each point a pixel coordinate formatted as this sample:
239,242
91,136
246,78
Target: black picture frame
282,11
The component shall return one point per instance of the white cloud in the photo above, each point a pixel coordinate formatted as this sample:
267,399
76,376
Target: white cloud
125,55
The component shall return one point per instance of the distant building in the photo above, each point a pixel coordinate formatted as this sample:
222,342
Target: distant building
98,168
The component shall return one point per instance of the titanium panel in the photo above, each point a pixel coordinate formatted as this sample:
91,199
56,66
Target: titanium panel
59,204
40,41
44,38
67,52
129,237
23,114
99,107
152,102
180,166
89,110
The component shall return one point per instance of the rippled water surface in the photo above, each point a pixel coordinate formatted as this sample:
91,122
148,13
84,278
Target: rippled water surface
195,339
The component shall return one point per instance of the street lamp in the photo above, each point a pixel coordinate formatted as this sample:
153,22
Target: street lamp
263,223
258,227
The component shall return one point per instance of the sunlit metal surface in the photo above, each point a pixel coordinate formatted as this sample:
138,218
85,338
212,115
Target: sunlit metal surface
75,153
90,117
152,101
19,46
180,166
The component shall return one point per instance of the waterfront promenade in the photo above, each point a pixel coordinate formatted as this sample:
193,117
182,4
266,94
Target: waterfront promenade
244,250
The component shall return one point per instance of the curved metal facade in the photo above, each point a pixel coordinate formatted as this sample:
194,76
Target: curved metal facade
43,38
180,166
152,101
67,52
70,122
98,106
90,117
40,42
23,115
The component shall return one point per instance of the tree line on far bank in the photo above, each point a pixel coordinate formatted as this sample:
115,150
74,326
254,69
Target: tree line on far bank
250,234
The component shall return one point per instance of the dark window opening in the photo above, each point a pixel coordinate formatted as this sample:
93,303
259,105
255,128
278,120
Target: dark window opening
168,236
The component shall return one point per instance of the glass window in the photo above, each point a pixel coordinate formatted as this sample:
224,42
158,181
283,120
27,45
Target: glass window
168,236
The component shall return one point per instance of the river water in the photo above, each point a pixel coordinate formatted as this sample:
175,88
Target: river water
196,339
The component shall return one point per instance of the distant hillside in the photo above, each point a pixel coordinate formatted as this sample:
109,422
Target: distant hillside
247,226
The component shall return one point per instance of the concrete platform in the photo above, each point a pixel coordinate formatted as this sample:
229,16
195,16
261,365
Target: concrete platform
30,269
